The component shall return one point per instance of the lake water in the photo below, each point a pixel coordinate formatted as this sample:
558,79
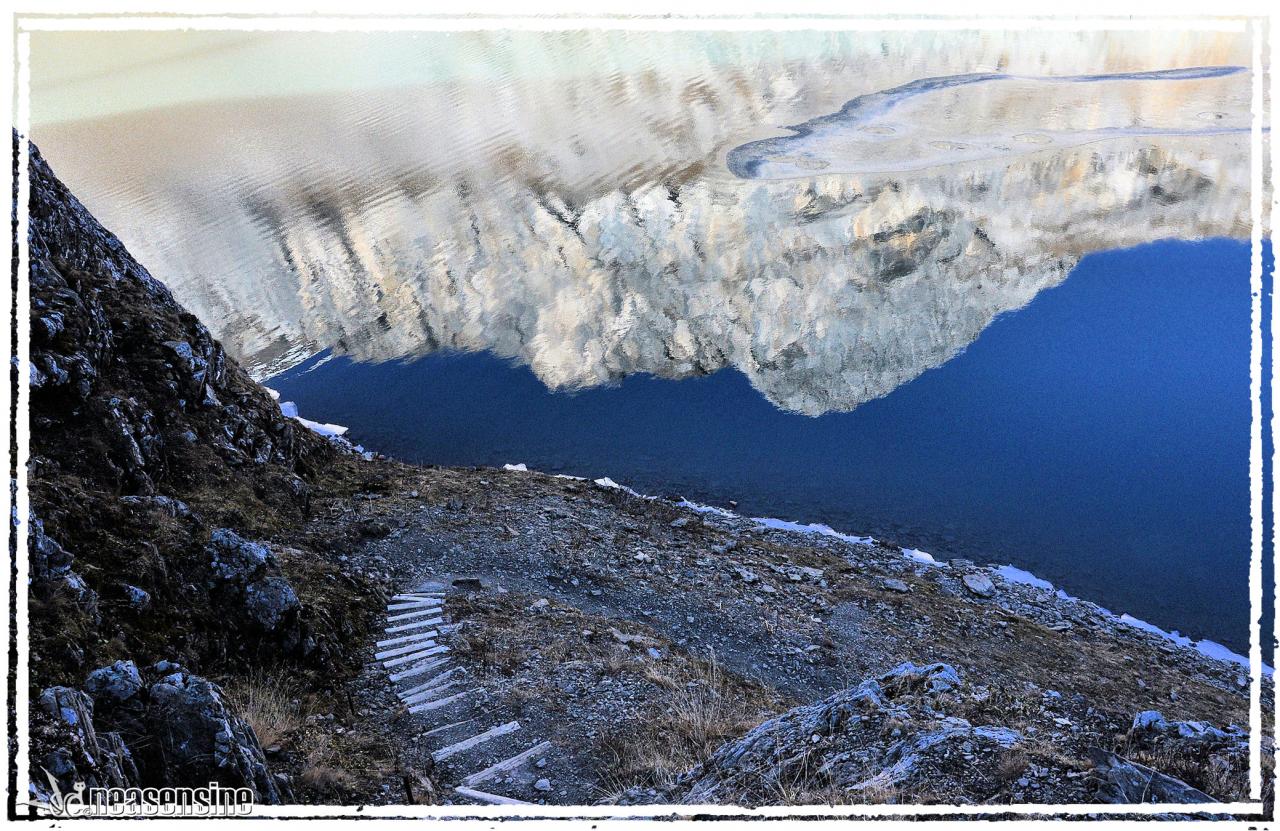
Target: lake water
1097,437
882,280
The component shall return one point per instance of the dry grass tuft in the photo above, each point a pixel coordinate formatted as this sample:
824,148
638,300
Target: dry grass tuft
322,769
271,704
702,708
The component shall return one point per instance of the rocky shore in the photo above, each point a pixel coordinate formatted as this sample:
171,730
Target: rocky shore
219,593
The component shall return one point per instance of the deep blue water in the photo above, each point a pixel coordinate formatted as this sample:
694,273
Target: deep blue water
1097,437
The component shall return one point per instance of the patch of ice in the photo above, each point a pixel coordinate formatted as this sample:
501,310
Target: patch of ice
275,396
811,528
567,476
520,468
1013,574
288,409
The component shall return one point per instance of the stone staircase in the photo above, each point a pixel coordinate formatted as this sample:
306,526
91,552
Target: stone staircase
474,750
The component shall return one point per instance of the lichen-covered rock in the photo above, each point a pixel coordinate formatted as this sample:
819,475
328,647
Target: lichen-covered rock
883,735
200,740
235,559
270,601
114,684
1117,780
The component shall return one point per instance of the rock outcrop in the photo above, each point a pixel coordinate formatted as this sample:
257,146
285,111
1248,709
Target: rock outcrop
161,475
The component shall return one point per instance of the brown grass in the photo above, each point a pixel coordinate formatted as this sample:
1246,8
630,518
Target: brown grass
322,768
703,707
271,704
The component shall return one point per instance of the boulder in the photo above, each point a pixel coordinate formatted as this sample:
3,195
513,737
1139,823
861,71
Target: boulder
979,584
885,734
234,559
114,684
1117,780
269,601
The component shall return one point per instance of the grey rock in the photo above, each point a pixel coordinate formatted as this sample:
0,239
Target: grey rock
885,733
114,684
48,558
979,583
84,755
138,599
1151,722
893,584
1117,780
167,504
543,785
235,559
269,601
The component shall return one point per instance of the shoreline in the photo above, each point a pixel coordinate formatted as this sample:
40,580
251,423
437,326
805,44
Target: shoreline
1009,572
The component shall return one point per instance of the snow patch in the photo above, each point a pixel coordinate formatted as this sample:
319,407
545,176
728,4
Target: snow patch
520,468
811,528
1206,647
326,430
288,409
606,482
918,555
698,507
1013,574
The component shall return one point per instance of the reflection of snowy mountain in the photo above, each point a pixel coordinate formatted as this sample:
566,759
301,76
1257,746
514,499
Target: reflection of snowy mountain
591,229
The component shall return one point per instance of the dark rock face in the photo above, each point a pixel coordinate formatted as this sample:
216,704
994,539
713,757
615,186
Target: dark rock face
82,754
200,740
176,731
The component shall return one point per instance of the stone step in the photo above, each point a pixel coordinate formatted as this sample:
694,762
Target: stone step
414,671
434,692
431,586
416,613
433,682
414,604
443,728
416,596
417,636
476,740
428,706
416,656
405,649
417,624
488,798
539,749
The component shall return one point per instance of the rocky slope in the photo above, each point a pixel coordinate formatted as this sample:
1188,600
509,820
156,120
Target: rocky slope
207,579
158,469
